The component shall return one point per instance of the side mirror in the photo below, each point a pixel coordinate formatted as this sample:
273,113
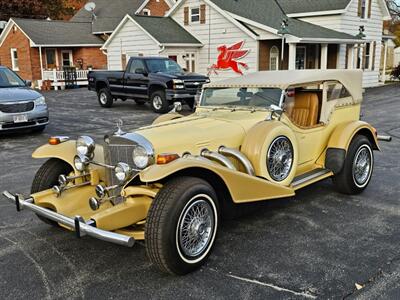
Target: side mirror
141,71
276,111
28,83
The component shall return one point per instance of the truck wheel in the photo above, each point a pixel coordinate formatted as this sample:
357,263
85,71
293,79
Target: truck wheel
358,167
140,102
105,98
159,102
181,225
47,177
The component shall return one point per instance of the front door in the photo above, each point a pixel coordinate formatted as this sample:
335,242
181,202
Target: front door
51,59
136,83
66,58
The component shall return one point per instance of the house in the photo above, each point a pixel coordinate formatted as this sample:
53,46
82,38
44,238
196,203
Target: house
239,36
39,50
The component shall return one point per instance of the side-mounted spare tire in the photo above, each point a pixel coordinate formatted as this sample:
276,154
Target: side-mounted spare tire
272,148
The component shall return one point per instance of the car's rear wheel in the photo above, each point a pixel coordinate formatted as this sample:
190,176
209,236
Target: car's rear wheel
358,167
159,102
181,225
47,177
105,98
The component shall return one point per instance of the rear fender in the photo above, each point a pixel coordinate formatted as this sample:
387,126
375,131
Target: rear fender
242,187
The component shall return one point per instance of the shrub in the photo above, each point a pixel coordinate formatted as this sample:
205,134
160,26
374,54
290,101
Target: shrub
396,72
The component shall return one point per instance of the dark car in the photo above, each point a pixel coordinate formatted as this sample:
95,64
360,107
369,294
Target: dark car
158,80
20,106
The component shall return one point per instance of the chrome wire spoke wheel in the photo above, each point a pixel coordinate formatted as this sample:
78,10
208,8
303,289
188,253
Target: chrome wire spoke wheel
103,98
157,102
280,158
196,227
362,166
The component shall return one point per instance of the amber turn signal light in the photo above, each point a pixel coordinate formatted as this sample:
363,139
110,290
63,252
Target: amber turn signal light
55,140
163,159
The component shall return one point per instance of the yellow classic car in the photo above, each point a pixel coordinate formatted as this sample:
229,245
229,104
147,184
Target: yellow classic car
252,138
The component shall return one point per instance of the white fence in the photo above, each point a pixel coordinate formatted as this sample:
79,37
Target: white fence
58,78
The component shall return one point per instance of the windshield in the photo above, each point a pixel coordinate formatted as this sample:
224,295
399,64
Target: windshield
9,79
163,65
247,97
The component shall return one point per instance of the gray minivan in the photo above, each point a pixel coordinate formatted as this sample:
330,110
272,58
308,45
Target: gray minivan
21,107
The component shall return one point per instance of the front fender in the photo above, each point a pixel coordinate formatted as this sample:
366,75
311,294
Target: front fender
344,134
65,151
242,187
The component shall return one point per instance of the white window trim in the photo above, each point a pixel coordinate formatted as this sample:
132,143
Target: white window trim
71,58
278,58
190,14
148,11
12,50
305,57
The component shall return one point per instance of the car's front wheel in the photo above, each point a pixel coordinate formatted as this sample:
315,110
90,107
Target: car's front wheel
105,98
358,167
181,225
159,102
47,177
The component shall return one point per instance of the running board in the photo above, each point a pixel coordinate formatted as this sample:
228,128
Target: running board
310,177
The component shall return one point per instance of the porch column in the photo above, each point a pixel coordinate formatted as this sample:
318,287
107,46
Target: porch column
292,56
324,56
385,49
350,58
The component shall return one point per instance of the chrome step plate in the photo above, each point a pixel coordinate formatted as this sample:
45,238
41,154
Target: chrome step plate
299,180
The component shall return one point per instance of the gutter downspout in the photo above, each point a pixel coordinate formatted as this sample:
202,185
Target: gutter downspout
41,65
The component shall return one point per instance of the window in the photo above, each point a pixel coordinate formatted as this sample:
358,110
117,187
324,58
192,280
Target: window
136,65
195,14
274,59
14,59
66,57
190,59
336,90
363,8
51,58
367,56
146,12
9,79
300,58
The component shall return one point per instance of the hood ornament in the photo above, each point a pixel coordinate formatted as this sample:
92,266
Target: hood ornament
120,123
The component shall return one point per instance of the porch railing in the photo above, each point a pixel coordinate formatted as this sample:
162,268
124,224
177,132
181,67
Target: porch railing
58,77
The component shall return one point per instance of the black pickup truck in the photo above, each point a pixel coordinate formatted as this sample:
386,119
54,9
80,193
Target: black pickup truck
158,80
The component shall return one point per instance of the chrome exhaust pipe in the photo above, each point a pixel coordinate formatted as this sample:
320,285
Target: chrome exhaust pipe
240,157
219,158
384,138
81,227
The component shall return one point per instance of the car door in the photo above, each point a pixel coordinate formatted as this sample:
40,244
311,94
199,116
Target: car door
136,79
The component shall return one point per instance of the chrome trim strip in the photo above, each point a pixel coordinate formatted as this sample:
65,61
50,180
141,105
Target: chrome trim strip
219,158
240,157
311,176
83,228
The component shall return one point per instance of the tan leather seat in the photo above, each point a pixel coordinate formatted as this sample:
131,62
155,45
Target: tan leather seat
305,110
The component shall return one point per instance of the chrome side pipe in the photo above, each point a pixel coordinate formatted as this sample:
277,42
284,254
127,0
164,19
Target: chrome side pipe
384,138
219,158
78,224
240,157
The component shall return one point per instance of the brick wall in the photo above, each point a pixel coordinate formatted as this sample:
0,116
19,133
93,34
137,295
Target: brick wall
16,39
92,56
157,7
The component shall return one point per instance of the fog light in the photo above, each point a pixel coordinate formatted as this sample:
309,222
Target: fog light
122,172
94,203
80,162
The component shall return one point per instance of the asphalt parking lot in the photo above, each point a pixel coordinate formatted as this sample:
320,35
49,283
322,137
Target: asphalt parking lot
318,244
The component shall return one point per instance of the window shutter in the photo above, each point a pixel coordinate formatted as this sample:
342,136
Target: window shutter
373,55
203,14
359,13
186,15
369,8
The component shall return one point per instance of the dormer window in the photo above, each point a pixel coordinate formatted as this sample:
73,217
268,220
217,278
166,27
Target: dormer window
364,8
146,12
195,14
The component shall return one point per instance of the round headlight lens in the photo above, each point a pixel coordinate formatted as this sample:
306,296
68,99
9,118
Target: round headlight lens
85,145
122,172
140,157
80,163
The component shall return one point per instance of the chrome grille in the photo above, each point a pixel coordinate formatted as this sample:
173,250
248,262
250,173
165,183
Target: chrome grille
10,108
113,154
194,84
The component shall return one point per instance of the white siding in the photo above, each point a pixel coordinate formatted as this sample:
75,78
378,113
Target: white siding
130,40
349,22
220,31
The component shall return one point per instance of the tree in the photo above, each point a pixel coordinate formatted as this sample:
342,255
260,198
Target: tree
394,24
39,9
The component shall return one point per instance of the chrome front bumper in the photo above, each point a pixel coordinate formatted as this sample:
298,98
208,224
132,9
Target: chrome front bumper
80,227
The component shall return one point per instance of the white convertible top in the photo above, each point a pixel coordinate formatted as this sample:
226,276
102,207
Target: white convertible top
351,79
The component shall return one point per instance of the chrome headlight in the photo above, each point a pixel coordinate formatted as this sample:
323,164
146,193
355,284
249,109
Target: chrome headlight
178,84
40,101
140,157
123,172
85,146
80,162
